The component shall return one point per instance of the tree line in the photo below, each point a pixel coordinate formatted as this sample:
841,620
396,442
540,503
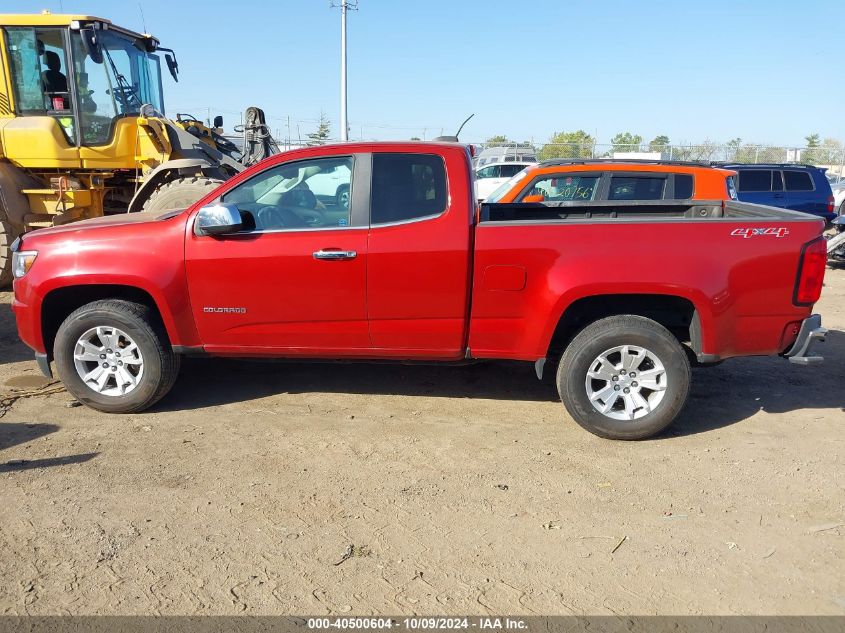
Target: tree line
580,144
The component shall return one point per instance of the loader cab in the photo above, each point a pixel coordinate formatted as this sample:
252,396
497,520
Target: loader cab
86,74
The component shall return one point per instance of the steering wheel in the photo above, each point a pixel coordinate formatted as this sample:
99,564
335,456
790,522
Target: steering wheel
270,217
305,204
126,96
300,198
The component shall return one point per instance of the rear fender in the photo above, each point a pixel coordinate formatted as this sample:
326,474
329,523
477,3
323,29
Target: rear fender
701,328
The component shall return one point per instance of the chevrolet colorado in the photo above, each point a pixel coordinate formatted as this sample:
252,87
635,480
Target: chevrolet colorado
620,296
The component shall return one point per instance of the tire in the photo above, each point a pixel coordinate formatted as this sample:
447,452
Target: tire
7,236
180,193
341,197
585,353
155,374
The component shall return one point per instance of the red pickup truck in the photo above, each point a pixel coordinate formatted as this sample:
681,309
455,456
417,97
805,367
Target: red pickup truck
378,251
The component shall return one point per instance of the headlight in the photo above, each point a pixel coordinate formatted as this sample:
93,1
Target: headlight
22,261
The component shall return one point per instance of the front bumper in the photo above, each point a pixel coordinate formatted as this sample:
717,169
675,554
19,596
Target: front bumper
28,322
811,330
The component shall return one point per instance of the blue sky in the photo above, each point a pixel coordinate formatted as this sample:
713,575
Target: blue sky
714,70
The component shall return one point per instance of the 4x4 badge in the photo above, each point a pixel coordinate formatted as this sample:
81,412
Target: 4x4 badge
778,232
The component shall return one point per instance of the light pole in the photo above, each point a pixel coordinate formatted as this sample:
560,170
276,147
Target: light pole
345,6
344,127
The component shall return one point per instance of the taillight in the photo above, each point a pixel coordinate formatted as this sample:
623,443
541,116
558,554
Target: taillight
811,267
830,201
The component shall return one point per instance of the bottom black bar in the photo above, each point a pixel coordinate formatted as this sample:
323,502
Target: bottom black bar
405,624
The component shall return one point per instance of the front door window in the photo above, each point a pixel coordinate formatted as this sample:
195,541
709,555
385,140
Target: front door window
307,194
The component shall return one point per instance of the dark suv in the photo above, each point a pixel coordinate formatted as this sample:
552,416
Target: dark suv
789,186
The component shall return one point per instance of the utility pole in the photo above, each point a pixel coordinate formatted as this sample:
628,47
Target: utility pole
344,130
345,6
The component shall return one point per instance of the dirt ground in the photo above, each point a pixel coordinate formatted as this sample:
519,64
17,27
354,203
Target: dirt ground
308,489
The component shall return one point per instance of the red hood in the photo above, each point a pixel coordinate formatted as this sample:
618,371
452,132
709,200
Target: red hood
122,219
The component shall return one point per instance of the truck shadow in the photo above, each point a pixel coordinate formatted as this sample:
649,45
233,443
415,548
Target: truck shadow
209,382
720,396
741,387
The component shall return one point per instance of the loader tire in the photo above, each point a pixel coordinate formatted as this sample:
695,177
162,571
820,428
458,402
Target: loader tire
180,193
7,236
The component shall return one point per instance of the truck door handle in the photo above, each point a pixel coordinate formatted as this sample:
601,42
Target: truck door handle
334,255
778,195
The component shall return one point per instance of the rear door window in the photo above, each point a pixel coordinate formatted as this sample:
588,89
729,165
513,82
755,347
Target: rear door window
755,180
564,188
636,188
797,181
777,181
407,187
683,186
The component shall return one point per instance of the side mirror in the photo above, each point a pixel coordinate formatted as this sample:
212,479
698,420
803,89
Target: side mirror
537,197
218,219
218,121
172,66
92,46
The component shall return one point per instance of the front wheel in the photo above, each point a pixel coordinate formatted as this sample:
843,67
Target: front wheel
112,355
624,378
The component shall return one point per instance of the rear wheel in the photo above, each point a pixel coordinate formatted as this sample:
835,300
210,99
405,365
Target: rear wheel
114,356
6,239
180,193
624,377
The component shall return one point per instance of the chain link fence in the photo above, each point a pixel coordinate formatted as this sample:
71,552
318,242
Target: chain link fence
831,157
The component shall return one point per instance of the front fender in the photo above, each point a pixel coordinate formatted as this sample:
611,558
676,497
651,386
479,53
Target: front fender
146,256
171,303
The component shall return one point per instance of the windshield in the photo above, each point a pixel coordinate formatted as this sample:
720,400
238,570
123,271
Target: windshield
505,187
127,79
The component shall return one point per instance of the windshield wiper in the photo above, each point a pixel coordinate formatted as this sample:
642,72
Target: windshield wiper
124,90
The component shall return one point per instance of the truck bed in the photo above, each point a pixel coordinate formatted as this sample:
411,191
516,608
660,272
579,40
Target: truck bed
734,264
635,210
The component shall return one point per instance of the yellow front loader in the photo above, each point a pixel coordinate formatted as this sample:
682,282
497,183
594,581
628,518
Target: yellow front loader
83,131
